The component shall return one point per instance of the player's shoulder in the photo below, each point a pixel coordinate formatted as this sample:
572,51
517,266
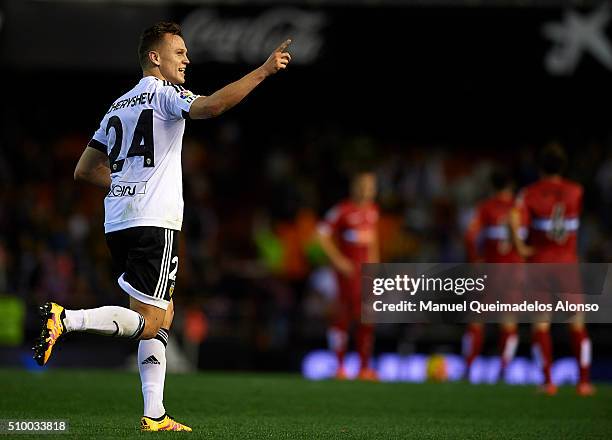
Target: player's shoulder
167,86
338,210
535,186
348,206
572,186
566,185
344,204
145,84
172,89
489,208
175,92
160,87
373,212
546,184
129,97
531,190
487,204
484,207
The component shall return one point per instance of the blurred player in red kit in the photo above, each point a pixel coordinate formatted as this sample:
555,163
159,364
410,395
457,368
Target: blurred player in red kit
553,205
488,239
349,237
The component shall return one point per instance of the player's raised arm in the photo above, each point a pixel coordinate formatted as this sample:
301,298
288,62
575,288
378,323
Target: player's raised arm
222,100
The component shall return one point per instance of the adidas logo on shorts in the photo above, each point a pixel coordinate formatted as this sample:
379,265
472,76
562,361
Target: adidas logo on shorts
150,360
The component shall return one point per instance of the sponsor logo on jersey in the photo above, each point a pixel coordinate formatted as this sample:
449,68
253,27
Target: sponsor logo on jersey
127,189
187,95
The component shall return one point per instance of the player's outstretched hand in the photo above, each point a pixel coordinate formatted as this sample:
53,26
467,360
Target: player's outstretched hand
278,59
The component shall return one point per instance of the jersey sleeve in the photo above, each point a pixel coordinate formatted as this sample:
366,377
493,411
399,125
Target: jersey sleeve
331,221
99,140
175,102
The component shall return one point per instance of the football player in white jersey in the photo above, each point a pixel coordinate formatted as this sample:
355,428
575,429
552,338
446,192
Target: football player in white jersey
136,156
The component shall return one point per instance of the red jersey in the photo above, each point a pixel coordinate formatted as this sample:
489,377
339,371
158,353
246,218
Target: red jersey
553,206
490,227
353,227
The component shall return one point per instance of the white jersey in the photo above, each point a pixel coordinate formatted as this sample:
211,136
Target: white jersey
142,134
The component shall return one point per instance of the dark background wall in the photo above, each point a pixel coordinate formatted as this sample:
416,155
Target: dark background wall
431,97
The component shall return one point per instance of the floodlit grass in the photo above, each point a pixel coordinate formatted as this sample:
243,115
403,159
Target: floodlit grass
253,406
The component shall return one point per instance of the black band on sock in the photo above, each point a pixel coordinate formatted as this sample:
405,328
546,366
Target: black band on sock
140,328
158,419
63,319
162,335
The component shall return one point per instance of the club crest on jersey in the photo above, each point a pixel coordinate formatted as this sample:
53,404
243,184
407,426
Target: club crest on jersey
127,189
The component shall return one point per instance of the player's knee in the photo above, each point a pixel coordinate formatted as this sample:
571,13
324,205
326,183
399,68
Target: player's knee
153,322
541,326
169,311
151,328
169,316
577,325
153,318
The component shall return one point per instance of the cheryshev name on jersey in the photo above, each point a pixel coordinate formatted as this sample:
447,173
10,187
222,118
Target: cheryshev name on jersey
143,98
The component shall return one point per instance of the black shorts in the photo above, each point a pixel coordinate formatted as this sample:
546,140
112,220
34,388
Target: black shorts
145,260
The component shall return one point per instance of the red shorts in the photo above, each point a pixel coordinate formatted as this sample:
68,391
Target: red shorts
505,283
555,282
348,305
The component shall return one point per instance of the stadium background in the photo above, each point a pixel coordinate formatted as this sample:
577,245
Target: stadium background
430,96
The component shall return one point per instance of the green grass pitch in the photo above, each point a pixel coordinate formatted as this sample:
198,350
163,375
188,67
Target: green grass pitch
107,404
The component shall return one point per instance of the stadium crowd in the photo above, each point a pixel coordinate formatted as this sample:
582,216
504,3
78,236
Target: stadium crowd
249,260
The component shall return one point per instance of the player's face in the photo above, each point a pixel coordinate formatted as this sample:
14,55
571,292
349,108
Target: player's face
173,59
364,187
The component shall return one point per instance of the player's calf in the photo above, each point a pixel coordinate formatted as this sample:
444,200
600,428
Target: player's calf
108,321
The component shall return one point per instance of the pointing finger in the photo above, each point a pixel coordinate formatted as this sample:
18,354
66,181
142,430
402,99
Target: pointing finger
284,45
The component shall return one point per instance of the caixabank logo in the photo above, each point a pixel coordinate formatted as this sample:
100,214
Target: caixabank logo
576,35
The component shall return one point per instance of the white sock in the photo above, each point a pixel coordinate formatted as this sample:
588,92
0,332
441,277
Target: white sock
152,368
337,339
107,320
